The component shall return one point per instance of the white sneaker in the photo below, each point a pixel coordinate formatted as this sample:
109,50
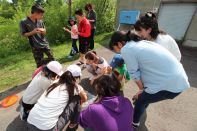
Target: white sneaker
21,112
69,57
136,125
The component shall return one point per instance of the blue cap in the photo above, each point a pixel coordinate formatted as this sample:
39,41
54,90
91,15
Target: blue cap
117,61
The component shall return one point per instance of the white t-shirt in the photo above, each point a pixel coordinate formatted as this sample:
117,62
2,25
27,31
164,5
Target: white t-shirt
170,44
74,29
36,88
104,64
46,112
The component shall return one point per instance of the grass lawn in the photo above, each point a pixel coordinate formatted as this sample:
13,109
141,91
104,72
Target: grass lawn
17,69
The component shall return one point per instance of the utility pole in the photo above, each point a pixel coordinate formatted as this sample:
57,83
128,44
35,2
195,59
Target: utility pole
70,7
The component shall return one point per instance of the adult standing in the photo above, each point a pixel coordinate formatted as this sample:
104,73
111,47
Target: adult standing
84,31
147,28
33,28
92,19
158,74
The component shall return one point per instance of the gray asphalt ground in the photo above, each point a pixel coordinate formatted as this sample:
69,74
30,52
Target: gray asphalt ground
179,114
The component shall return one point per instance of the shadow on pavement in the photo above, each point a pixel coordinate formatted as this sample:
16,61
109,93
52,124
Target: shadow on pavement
17,125
86,86
142,122
189,61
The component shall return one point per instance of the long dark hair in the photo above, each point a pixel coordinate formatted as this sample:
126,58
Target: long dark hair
48,73
149,20
87,6
123,37
72,19
107,86
66,78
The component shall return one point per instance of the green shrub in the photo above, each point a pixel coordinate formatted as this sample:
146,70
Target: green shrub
55,18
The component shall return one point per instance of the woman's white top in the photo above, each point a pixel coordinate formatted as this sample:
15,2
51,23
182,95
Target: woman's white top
170,44
46,112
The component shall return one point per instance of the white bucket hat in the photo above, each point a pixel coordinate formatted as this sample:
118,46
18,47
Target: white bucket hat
75,70
56,67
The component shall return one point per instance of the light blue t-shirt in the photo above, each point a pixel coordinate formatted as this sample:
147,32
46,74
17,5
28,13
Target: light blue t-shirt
155,66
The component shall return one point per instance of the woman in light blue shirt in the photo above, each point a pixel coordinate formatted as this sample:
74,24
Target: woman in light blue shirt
158,74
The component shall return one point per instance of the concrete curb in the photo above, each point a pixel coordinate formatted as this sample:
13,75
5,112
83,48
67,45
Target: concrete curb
13,90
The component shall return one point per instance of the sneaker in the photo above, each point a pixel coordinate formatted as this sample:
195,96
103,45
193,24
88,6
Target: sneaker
135,125
69,57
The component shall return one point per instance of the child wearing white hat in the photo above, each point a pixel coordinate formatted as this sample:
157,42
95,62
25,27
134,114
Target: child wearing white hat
59,104
38,85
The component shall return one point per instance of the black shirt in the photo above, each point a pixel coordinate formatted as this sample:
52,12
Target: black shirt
92,16
36,40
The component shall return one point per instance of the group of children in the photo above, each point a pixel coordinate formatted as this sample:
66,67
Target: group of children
54,96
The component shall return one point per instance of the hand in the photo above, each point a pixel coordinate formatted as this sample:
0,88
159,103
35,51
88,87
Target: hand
66,29
76,33
41,29
108,70
136,96
35,31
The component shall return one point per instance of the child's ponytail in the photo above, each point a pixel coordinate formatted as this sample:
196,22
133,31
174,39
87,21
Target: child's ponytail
123,37
66,78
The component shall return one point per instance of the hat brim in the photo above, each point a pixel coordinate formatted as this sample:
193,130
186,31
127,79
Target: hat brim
60,73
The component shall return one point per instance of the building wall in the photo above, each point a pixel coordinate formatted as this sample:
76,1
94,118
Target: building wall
143,6
149,5
191,34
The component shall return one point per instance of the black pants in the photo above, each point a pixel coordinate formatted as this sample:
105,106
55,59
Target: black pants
84,43
74,49
38,54
27,107
70,113
145,99
92,39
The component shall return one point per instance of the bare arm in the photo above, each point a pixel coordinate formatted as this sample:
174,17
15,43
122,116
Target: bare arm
42,31
83,96
139,84
103,71
67,30
91,20
35,31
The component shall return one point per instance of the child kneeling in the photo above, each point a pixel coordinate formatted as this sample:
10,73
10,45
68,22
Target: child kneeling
96,65
40,82
59,104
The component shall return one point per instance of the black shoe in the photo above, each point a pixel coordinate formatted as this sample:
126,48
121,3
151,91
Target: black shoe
135,125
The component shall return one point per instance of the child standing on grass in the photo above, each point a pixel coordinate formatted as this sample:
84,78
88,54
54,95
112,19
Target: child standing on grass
74,36
119,70
38,85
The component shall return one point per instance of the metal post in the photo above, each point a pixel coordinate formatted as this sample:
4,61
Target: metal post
70,7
